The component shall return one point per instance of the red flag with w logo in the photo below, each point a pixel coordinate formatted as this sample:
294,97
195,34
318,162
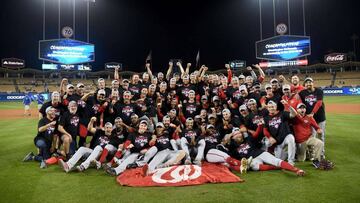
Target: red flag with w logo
181,175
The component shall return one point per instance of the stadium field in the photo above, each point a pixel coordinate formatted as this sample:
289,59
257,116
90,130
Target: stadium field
25,182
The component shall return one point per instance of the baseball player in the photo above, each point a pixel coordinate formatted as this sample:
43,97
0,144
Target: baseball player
101,139
27,102
258,160
115,145
165,156
56,103
312,97
44,138
277,130
191,138
138,143
69,128
40,100
302,126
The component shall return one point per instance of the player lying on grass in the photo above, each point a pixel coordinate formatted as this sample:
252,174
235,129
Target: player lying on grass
257,159
100,140
44,138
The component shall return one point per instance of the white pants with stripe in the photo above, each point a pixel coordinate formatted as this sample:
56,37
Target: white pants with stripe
86,152
200,148
289,141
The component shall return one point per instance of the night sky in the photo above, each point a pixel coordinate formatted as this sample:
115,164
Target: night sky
126,30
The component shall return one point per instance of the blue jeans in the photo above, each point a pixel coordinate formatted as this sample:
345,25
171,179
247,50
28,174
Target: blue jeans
44,150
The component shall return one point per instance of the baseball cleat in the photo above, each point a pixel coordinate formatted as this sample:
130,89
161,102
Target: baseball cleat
106,166
29,157
132,165
316,163
244,165
300,172
197,162
80,168
43,164
111,171
249,160
187,162
96,163
64,165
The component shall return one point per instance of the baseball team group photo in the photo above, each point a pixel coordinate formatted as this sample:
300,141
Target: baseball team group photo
184,101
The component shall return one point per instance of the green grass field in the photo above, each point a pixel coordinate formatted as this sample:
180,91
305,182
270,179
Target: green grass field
25,182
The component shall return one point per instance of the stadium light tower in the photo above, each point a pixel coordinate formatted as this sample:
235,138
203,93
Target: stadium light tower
87,18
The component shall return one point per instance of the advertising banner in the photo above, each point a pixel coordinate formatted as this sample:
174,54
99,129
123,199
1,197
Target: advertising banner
113,65
12,63
79,67
342,91
236,64
20,96
335,58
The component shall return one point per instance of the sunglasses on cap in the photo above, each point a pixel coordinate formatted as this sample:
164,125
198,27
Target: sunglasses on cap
102,95
286,89
268,88
81,86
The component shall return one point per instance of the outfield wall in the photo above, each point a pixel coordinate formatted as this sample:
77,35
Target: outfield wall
327,91
20,96
334,91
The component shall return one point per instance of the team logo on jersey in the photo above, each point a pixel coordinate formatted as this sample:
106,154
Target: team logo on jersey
180,173
141,140
215,90
211,139
120,135
236,94
127,110
95,108
103,140
190,134
50,130
310,99
134,89
191,108
185,92
74,120
243,148
57,112
162,140
81,103
275,122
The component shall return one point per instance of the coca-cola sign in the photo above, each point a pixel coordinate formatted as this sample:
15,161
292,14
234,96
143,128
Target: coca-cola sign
335,58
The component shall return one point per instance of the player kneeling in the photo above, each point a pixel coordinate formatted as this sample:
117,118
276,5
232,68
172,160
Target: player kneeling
303,125
100,139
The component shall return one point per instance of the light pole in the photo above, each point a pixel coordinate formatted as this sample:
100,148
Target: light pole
354,37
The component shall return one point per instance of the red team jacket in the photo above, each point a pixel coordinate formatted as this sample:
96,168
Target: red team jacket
302,127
